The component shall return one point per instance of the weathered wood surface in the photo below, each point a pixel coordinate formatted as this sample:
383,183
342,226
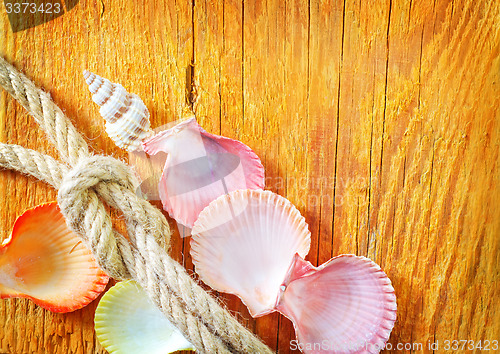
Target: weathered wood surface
379,120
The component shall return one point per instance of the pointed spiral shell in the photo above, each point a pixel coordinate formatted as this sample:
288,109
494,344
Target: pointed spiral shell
127,118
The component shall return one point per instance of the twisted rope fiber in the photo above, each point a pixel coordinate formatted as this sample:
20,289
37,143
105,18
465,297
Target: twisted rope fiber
82,182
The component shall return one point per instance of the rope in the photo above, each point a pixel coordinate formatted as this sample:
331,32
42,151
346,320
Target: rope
84,181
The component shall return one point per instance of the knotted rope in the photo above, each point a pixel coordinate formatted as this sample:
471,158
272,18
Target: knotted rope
84,181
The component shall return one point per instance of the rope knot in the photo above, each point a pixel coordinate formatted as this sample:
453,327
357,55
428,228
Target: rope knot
94,170
91,180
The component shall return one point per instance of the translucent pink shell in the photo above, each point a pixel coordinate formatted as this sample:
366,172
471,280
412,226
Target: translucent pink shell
201,167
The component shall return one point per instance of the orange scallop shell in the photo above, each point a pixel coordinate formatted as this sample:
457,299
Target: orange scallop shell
43,260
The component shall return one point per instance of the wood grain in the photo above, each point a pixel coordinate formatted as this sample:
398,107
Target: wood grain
379,120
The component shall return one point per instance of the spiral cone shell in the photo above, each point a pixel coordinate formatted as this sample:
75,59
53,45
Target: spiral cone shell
127,118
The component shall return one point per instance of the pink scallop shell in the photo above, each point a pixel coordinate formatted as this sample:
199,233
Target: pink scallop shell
347,305
201,167
244,242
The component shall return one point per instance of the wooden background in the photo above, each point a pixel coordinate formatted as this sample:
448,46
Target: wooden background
379,120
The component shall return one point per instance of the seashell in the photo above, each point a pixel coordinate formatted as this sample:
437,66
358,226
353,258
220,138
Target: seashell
347,305
149,170
244,242
127,118
127,322
43,260
201,167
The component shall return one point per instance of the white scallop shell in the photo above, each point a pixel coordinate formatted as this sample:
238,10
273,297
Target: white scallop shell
127,322
127,118
244,242
346,305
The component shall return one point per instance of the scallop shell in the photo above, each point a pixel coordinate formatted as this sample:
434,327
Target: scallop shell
127,322
46,262
127,118
347,305
244,242
201,167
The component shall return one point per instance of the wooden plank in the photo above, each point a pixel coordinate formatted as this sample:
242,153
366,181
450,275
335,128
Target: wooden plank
325,43
294,121
379,120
